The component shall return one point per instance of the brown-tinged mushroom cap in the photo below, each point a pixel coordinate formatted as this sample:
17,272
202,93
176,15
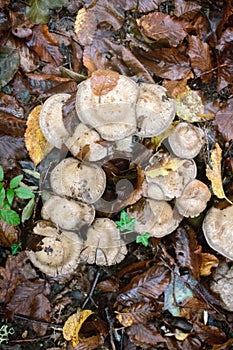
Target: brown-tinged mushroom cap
84,137
154,110
59,252
194,199
106,102
103,245
155,217
222,283
67,214
51,122
80,180
167,176
217,228
186,140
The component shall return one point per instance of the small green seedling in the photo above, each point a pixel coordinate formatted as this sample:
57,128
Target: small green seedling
15,248
7,196
127,225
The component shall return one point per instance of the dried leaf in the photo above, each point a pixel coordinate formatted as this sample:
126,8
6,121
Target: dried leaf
157,140
11,149
209,334
11,125
38,147
158,25
9,234
214,172
9,105
147,335
207,262
172,164
90,343
186,9
223,120
103,81
137,313
38,10
108,286
148,6
85,26
73,324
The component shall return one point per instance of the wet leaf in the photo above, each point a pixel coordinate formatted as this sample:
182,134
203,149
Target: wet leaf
9,64
207,262
9,234
90,343
172,164
146,335
85,26
137,313
209,334
223,120
147,6
11,149
186,9
38,10
103,81
73,324
37,146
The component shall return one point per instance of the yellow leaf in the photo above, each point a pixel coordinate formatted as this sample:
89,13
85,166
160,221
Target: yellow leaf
180,335
157,140
38,147
73,324
124,318
207,262
165,169
214,172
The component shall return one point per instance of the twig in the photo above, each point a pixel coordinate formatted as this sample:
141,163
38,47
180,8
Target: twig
89,297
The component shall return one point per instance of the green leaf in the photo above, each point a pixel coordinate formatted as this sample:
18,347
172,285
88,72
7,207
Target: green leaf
10,216
10,194
143,238
28,210
9,64
16,181
2,195
1,173
38,10
15,248
24,193
126,223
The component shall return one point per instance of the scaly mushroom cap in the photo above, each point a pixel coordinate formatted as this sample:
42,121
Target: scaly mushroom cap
154,110
51,122
217,228
67,214
59,253
163,183
80,180
186,140
103,245
155,217
193,200
106,102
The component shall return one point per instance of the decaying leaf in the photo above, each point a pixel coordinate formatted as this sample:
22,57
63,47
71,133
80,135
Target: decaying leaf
9,64
137,313
103,81
214,172
38,147
73,324
223,120
172,164
157,140
38,10
9,234
85,26
207,262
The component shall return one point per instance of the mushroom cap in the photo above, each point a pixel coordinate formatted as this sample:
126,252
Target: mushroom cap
170,183
59,252
194,199
186,140
79,180
217,228
82,137
222,283
154,110
51,122
67,213
155,217
110,111
103,245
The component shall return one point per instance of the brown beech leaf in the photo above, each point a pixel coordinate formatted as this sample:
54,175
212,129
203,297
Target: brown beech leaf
11,276
146,335
108,285
103,81
146,286
225,346
90,343
137,313
9,104
176,87
207,262
200,56
44,45
11,125
224,120
8,234
158,25
148,6
186,9
193,309
85,26
69,114
11,150
209,334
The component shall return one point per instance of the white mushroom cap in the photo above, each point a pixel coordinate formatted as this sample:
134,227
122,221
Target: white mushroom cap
51,121
186,140
103,245
154,110
80,180
110,111
60,252
217,228
84,136
155,217
67,213
172,183
194,199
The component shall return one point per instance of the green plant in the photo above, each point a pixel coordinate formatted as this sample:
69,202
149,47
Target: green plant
7,196
15,248
127,225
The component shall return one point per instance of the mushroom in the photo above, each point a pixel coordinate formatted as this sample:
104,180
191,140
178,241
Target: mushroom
222,283
154,110
194,199
59,252
167,176
87,140
80,180
186,140
217,228
154,217
51,122
106,102
103,245
67,214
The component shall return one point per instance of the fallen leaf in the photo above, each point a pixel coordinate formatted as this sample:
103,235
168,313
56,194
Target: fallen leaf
11,125
207,262
85,26
209,334
103,81
186,9
9,104
90,343
11,150
9,64
9,234
38,10
148,6
38,147
223,120
73,324
137,313
146,335
157,140
172,164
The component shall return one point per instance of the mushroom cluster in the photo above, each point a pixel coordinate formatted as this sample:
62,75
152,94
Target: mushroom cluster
112,110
